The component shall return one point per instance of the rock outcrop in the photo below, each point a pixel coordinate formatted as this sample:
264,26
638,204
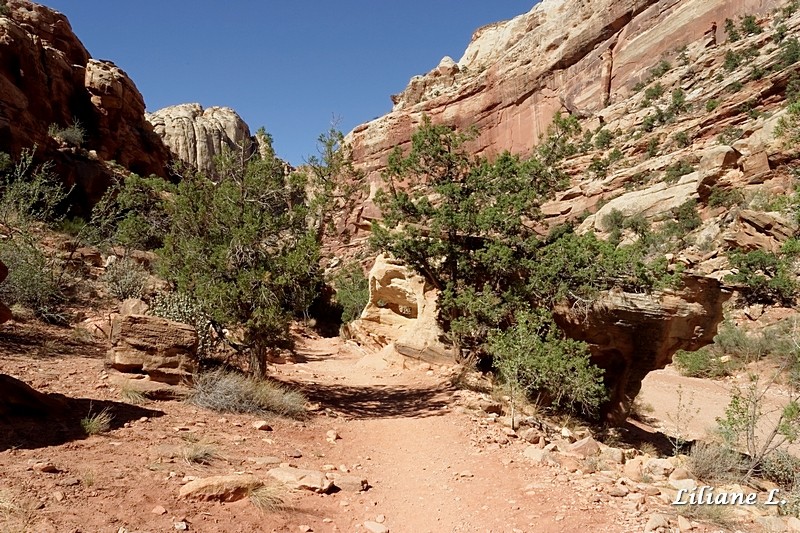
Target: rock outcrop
47,77
401,314
163,349
561,56
196,135
631,335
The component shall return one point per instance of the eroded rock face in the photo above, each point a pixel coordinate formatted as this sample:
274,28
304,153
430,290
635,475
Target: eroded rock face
196,135
47,77
163,349
631,335
561,56
401,313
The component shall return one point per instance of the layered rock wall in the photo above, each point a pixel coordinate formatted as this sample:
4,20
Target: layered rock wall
196,136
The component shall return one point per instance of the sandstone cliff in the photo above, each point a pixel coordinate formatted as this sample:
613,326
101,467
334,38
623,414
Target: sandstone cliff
196,136
47,77
690,118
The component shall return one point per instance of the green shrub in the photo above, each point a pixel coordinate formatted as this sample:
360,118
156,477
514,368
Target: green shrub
660,69
788,127
712,104
792,505
686,217
790,52
32,281
749,25
729,135
181,308
722,197
602,139
125,278
781,31
681,139
97,423
534,357
230,392
4,9
711,462
678,169
782,468
702,363
732,60
352,291
763,277
73,135
653,146
730,29
734,87
654,92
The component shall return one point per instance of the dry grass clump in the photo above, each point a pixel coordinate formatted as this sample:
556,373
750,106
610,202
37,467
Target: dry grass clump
713,462
132,396
97,423
198,453
268,498
229,392
716,514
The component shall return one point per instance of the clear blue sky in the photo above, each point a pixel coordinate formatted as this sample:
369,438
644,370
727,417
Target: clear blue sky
289,66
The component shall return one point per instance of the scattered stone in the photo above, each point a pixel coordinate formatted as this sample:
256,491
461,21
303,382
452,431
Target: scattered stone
181,526
658,468
221,488
304,529
793,523
683,484
614,455
332,435
267,460
262,425
133,306
294,454
773,524
158,509
567,434
375,527
539,456
684,524
587,447
380,519
632,469
655,522
349,483
618,491
299,479
45,467
58,496
680,473
69,482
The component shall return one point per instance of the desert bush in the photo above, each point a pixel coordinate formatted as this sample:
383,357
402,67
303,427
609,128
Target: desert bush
73,135
782,468
763,276
723,197
731,31
182,308
712,104
702,363
32,280
792,505
535,357
4,9
790,52
681,139
732,60
352,291
653,146
602,139
230,392
675,171
788,126
199,453
711,461
125,278
729,135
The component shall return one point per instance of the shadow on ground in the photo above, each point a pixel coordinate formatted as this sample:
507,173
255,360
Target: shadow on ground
32,432
379,401
44,341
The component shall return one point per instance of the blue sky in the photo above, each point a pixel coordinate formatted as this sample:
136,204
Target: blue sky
288,66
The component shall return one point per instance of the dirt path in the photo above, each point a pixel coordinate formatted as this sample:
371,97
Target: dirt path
434,468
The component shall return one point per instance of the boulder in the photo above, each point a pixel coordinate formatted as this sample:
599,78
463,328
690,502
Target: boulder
196,136
630,335
299,479
402,312
163,349
586,447
220,488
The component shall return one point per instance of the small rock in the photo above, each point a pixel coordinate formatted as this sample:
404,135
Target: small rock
69,482
617,491
332,435
658,468
58,496
294,454
686,484
380,519
684,524
181,526
267,460
794,524
262,425
567,434
375,527
221,488
349,483
46,467
655,522
679,474
158,509
305,529
587,447
298,479
772,523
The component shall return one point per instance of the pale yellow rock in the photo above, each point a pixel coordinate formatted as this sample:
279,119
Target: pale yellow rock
220,488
